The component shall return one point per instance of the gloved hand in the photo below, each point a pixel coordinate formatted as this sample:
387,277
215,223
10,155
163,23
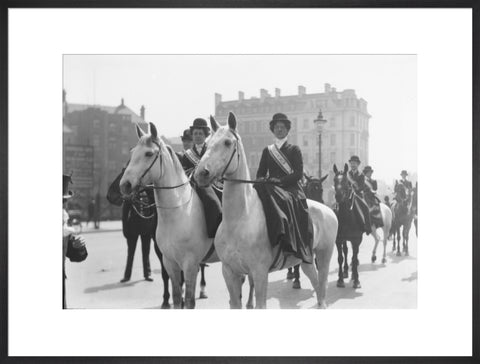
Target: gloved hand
78,242
275,180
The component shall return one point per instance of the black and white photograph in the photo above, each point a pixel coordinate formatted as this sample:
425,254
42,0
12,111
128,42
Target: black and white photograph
248,181
239,183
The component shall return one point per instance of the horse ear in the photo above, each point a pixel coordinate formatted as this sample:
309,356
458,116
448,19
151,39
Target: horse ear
153,130
213,123
335,169
232,121
140,132
323,178
345,168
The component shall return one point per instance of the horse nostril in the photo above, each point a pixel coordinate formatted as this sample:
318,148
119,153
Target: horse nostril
127,188
205,172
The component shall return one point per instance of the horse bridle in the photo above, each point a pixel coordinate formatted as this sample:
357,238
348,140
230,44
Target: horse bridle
153,187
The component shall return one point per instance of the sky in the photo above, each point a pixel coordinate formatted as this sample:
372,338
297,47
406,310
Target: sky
176,89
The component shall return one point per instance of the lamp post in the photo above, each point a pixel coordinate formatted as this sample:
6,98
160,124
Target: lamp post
319,124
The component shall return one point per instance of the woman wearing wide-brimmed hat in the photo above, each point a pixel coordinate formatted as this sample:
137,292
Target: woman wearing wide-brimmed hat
283,199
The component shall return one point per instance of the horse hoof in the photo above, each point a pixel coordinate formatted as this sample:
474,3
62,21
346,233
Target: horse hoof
384,260
165,306
322,306
249,307
374,258
290,276
345,274
357,284
203,295
399,254
296,285
340,284
406,253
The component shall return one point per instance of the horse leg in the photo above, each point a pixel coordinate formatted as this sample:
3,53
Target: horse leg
175,274
132,245
385,239
377,239
147,271
345,253
340,282
355,249
399,236
261,282
250,292
290,274
406,232
234,285
203,284
323,258
190,273
310,272
296,273
166,293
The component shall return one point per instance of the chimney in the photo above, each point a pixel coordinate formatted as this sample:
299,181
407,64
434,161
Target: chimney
142,112
241,95
334,89
277,93
122,104
64,96
218,99
263,94
328,88
301,90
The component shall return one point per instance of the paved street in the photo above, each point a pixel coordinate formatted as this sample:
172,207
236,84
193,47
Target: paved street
95,283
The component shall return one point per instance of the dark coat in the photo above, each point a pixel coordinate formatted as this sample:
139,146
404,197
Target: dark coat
359,179
407,184
187,163
269,168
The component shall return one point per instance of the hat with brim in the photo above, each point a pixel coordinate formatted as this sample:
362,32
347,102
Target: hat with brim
279,117
66,181
200,123
354,158
367,169
403,173
187,135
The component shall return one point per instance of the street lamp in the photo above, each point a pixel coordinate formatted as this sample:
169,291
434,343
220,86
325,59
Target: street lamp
319,124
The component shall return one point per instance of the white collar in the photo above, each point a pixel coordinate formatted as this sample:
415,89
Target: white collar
279,142
199,147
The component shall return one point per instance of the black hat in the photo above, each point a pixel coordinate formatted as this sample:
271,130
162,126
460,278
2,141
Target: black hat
280,117
404,172
367,169
200,123
66,181
187,135
354,158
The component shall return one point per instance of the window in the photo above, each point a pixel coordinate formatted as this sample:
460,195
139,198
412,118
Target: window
332,122
352,120
333,139
332,157
305,140
352,139
306,124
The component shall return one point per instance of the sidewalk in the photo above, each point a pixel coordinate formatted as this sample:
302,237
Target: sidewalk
105,226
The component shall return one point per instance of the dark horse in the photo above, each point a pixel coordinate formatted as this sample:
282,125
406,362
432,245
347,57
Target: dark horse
314,191
402,216
349,226
415,207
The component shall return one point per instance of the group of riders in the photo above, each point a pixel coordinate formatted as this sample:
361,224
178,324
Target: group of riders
280,188
279,185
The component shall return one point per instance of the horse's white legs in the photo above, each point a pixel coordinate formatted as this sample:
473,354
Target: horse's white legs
234,284
251,292
190,285
377,239
175,274
385,238
323,258
260,279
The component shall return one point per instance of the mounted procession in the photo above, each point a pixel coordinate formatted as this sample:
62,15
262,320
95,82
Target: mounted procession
202,206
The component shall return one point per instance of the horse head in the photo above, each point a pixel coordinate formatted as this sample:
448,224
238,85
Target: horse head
149,153
314,188
222,157
341,185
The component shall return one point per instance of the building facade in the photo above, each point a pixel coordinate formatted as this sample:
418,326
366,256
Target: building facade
96,145
344,134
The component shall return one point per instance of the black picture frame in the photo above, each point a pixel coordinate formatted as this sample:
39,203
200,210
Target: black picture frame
4,197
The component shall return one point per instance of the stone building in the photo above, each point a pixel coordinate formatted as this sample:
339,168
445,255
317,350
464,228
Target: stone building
345,133
96,144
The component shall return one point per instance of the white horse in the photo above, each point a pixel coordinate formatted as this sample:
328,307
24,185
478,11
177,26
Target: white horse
242,242
387,224
181,229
